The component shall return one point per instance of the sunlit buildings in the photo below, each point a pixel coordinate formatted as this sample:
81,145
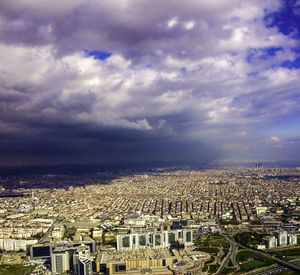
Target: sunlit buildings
82,261
60,260
155,261
158,239
280,239
271,242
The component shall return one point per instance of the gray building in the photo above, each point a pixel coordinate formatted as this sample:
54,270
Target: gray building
60,260
83,267
82,261
292,239
158,239
282,238
271,242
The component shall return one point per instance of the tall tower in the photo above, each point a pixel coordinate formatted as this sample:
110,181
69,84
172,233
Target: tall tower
60,260
82,261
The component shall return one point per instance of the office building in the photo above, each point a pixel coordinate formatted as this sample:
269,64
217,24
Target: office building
155,261
82,261
60,260
83,266
282,238
158,239
271,242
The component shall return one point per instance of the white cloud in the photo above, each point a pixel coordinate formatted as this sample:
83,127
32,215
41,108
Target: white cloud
275,139
281,76
159,77
172,22
189,24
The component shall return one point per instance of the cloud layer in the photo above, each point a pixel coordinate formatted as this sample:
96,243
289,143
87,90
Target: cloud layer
90,81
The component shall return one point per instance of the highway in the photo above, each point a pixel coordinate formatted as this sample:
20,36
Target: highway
233,259
271,270
231,253
289,265
284,266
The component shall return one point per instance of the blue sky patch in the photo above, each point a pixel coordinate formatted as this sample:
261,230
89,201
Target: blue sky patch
236,101
252,74
262,53
183,70
101,55
267,52
295,64
287,19
285,127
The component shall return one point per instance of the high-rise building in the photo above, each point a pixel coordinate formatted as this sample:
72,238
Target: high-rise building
60,260
282,238
292,239
271,242
158,239
82,261
83,267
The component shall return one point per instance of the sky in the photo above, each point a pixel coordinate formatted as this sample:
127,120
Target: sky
211,81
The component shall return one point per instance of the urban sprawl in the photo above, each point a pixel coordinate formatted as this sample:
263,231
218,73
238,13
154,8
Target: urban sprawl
163,221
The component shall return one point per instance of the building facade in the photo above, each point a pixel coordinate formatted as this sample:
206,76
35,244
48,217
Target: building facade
60,261
158,239
280,239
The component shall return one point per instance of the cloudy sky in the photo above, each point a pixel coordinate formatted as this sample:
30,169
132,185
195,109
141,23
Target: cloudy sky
141,80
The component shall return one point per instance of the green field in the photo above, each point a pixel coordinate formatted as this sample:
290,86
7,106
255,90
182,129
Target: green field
249,238
211,240
15,270
245,255
252,265
251,260
212,243
295,252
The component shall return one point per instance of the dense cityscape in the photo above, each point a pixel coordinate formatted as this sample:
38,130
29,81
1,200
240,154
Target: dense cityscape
150,137
162,221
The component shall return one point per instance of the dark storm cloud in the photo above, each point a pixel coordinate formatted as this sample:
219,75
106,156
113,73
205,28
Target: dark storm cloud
61,143
128,27
84,81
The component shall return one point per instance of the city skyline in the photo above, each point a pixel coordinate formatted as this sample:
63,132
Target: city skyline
208,82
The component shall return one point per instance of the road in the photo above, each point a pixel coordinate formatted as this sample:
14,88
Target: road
289,265
271,270
233,259
230,255
284,266
47,234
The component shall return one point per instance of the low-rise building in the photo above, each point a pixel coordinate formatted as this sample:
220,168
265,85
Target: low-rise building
155,261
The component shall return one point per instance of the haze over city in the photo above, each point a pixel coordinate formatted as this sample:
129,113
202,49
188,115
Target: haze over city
193,81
